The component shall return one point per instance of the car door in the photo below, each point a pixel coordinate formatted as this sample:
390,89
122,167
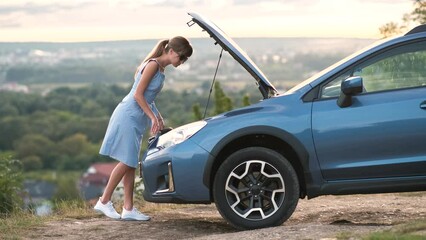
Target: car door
382,133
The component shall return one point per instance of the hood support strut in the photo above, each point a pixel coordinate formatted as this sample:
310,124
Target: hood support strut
211,87
266,88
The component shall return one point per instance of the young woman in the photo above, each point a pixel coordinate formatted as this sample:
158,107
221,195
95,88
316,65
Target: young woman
131,118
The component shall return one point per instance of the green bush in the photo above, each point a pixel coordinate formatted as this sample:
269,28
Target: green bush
66,188
10,185
32,163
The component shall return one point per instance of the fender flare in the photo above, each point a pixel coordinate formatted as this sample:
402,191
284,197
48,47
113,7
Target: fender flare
297,146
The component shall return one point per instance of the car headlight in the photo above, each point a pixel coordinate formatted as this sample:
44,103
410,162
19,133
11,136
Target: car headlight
179,134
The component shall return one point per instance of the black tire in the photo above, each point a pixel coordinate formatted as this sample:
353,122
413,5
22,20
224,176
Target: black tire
256,187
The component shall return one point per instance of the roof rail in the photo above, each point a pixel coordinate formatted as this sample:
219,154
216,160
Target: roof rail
418,29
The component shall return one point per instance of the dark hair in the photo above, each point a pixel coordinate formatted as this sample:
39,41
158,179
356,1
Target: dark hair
157,50
179,44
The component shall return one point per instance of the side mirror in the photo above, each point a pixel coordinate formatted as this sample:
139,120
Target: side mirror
349,87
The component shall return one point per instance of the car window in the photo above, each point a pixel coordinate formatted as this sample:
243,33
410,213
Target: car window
397,68
332,89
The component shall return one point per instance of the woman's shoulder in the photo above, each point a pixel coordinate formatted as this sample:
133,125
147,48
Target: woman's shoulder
152,64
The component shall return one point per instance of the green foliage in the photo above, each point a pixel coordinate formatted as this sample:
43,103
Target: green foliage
35,145
68,73
410,231
246,100
66,188
138,190
197,112
77,209
11,129
32,163
18,224
10,185
63,129
176,106
222,102
8,110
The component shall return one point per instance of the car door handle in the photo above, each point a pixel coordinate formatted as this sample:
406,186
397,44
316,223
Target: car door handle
423,105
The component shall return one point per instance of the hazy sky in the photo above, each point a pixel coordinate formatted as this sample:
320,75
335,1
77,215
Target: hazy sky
99,20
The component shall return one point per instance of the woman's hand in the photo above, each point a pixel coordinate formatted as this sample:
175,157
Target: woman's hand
155,126
160,122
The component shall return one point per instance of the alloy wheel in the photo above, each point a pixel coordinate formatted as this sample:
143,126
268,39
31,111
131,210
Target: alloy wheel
255,190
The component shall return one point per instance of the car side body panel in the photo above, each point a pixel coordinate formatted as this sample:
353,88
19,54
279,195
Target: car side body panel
381,135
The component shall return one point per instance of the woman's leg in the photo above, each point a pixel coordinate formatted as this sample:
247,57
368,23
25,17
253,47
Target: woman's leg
129,184
116,175
130,213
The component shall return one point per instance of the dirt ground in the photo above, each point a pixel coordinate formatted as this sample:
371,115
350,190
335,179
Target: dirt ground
325,217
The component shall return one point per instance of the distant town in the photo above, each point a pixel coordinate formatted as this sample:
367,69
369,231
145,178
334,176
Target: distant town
40,67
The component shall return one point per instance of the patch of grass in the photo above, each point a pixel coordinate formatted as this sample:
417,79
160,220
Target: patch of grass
77,209
18,224
408,231
413,194
162,207
393,236
345,236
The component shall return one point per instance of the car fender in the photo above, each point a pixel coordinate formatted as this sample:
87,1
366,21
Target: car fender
292,141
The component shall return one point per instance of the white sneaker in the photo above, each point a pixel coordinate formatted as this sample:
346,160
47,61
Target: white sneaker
134,215
107,209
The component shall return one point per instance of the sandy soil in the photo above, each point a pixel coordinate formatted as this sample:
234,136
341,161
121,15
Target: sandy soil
320,218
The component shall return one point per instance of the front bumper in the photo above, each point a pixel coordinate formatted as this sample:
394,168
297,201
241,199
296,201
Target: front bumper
175,174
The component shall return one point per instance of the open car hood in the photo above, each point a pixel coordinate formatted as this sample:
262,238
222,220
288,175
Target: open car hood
265,87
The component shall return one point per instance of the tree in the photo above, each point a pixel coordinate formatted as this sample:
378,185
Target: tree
36,145
73,145
197,112
417,16
32,162
222,102
390,29
246,100
11,129
66,189
419,13
10,185
8,110
75,152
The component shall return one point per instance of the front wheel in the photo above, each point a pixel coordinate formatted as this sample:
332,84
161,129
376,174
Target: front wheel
256,187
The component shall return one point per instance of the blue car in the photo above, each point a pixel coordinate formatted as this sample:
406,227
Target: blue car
357,127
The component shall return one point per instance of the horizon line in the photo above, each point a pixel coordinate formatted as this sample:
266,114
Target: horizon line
196,38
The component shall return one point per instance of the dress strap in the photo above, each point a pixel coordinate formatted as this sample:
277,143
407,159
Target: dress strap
159,65
153,59
142,67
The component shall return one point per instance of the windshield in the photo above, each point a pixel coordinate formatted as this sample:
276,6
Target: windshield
328,69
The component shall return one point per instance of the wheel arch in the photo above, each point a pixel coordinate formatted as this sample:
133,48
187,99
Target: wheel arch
263,136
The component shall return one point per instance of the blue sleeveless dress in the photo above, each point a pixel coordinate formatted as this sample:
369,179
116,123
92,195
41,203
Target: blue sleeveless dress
129,122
